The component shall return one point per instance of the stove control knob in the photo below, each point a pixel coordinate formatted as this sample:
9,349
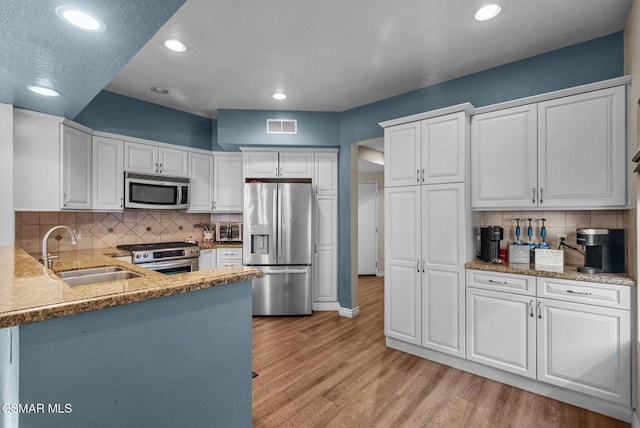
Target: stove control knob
146,255
138,256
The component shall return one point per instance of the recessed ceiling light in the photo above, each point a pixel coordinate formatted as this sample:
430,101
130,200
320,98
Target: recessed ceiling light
488,12
279,96
159,90
80,18
175,45
41,90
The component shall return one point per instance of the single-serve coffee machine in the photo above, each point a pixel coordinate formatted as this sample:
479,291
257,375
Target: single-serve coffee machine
490,238
603,250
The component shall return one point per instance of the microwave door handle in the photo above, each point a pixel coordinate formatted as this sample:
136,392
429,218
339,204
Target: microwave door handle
179,196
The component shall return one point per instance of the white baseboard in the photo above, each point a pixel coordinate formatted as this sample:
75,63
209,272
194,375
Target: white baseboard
634,420
348,312
380,273
326,306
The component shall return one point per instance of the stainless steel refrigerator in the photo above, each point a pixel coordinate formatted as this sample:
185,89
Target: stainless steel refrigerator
278,228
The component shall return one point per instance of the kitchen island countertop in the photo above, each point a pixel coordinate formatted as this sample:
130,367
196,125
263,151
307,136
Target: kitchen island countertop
567,272
30,293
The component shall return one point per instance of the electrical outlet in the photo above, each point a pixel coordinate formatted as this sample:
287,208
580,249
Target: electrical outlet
562,236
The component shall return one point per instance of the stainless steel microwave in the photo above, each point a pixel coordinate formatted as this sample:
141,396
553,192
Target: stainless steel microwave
155,192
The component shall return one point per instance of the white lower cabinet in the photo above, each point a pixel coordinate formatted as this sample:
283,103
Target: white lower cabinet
585,348
501,331
564,342
229,257
207,259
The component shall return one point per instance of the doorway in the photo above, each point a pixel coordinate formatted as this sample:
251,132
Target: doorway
367,228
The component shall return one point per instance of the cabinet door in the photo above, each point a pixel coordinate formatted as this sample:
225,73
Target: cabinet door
261,164
296,165
325,180
501,331
503,158
141,158
173,162
207,259
443,238
201,182
402,155
325,287
402,291
228,186
76,169
108,174
444,143
585,348
582,150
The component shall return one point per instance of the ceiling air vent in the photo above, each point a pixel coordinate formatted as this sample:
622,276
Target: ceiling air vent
282,126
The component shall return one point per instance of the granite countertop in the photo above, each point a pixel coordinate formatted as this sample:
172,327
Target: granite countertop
566,272
29,292
214,245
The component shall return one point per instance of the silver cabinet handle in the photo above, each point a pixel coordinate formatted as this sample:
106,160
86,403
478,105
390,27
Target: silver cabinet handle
422,265
280,172
315,248
531,308
498,282
121,202
212,204
533,195
157,167
541,191
539,312
417,265
418,175
422,175
582,293
215,204
160,168
64,200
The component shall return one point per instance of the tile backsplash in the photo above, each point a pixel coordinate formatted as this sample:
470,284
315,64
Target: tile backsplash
108,229
557,222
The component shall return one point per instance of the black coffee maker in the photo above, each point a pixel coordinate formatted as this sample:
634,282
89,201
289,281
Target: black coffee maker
603,250
490,238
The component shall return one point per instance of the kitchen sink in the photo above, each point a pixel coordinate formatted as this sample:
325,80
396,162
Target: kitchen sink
96,275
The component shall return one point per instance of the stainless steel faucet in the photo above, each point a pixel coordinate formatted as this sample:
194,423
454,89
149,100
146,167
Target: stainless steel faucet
47,260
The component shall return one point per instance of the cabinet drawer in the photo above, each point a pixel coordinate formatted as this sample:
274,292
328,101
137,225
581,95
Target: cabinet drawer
511,283
230,254
223,263
612,296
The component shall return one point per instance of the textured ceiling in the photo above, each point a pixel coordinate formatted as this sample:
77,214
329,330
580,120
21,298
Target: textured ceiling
333,55
37,48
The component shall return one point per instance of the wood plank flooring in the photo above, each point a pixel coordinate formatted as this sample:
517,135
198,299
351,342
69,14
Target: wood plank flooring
329,371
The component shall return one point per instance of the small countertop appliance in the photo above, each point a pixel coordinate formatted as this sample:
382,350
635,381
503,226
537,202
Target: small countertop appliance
603,250
490,238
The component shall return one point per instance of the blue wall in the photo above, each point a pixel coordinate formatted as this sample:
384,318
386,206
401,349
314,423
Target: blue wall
110,112
237,128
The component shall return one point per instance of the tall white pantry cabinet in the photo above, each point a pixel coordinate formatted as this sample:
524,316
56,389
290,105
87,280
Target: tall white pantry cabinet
429,226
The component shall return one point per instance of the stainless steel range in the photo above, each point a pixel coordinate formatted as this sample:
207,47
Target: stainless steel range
165,257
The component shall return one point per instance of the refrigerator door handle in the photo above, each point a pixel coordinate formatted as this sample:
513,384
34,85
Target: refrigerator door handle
281,271
279,223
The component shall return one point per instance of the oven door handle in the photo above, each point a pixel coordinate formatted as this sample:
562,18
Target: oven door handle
165,265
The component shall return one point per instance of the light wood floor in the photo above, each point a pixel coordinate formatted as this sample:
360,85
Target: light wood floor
329,371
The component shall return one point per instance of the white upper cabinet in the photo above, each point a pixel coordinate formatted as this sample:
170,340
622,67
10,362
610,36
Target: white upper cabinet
443,148
402,155
430,151
150,159
296,165
76,169
567,152
582,150
201,182
108,174
228,186
272,164
504,158
325,179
